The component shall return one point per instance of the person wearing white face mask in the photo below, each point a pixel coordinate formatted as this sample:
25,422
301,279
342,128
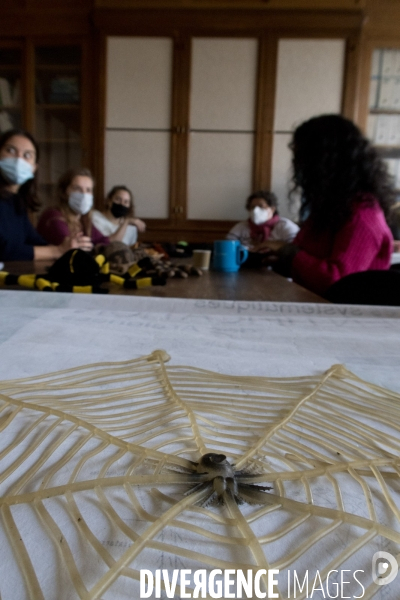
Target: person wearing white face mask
72,216
19,155
264,228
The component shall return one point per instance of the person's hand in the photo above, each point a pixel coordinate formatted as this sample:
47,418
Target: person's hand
141,225
267,247
396,245
83,242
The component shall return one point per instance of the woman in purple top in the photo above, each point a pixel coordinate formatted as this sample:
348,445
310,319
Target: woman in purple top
19,156
71,216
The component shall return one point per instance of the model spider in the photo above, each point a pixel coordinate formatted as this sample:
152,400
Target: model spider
218,477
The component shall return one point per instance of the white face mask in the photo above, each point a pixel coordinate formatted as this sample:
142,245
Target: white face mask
261,215
16,170
80,203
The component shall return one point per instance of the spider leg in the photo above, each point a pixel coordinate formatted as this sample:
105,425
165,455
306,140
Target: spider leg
210,500
179,469
232,490
198,488
254,494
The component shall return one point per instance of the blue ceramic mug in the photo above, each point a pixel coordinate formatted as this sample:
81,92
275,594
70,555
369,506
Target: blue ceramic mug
228,255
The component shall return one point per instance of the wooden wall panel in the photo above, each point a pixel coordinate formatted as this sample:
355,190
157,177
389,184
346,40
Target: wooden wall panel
382,18
265,4
225,22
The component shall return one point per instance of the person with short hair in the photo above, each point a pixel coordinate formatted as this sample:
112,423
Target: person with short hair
264,224
117,221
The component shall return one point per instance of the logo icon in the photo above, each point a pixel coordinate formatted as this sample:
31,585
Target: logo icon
384,568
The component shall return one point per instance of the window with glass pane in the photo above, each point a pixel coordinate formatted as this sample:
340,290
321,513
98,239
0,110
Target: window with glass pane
383,125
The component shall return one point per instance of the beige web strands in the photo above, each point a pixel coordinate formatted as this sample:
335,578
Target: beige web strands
96,464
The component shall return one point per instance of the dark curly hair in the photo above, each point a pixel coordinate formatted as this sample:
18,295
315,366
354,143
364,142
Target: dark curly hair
334,166
27,194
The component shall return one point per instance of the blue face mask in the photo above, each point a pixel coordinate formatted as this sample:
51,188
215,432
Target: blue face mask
16,170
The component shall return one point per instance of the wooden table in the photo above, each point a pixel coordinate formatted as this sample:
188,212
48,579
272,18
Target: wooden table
245,285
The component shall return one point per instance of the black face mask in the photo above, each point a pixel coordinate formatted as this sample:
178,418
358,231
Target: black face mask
118,210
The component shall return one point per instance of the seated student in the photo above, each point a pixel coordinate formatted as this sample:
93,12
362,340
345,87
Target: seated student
19,155
264,225
72,214
117,220
347,194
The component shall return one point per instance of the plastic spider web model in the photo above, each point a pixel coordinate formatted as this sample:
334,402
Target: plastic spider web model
98,478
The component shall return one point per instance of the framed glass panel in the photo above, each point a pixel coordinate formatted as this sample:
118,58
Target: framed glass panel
220,167
140,160
58,113
10,88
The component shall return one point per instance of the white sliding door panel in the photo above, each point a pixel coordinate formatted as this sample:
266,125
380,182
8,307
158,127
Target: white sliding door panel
139,82
222,121
223,84
220,166
309,80
282,175
140,160
139,92
310,75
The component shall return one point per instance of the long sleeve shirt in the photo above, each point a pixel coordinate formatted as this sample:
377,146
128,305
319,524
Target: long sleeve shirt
362,244
17,235
284,231
54,228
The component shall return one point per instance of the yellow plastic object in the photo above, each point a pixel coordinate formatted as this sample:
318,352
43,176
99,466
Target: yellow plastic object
97,464
100,259
3,275
27,281
82,289
41,284
134,270
116,279
143,282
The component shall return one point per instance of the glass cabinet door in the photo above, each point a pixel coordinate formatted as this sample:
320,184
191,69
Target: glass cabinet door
10,87
57,113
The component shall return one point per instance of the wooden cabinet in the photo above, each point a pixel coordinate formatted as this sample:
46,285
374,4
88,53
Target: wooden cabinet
58,118
11,76
43,83
197,103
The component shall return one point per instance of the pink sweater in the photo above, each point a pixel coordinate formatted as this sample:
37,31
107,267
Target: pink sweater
54,229
362,244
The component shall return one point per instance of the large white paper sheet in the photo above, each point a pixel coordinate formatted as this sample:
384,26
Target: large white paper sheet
44,332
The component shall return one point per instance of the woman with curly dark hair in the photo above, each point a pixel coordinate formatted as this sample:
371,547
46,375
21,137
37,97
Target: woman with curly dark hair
346,195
